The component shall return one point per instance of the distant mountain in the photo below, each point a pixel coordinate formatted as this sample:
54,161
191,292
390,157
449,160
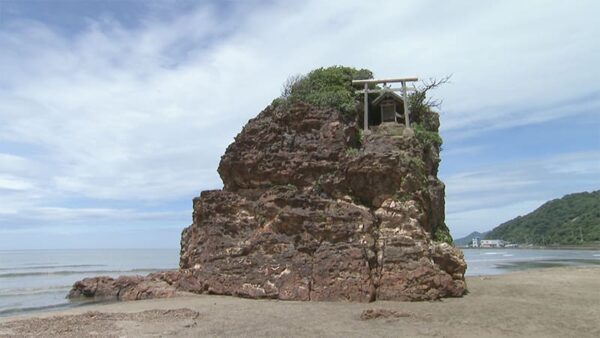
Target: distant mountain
469,238
572,219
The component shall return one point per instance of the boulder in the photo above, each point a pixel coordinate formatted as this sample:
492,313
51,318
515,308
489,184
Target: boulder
313,209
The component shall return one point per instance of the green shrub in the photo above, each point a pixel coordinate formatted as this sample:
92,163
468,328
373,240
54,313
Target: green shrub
421,106
278,102
361,136
418,106
317,187
325,87
351,152
427,137
442,234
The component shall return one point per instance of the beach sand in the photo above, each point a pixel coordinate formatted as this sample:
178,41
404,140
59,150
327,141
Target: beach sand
553,302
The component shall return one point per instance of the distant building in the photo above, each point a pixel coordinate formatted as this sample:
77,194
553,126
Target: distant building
476,242
492,243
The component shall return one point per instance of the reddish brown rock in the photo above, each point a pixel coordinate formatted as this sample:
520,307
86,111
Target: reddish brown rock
308,212
312,210
371,314
156,285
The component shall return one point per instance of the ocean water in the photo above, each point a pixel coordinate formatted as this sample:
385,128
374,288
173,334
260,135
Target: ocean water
39,280
500,261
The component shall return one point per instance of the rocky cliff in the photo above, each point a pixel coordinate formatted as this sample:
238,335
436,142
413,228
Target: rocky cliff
314,209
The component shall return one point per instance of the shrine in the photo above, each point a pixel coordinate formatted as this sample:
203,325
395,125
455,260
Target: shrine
387,106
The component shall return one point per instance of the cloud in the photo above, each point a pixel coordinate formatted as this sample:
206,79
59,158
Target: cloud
482,199
141,113
465,222
587,163
13,183
463,150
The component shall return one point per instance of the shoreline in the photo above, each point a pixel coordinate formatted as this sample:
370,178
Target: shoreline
586,248
483,262
537,302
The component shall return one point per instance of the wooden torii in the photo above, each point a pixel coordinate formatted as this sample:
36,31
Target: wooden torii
366,91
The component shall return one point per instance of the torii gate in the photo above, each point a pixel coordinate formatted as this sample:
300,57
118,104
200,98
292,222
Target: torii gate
366,91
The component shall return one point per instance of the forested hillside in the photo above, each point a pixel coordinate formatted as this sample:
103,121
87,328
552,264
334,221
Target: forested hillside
572,219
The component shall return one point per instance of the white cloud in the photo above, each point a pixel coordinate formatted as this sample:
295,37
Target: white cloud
14,183
578,163
482,199
143,114
484,181
463,150
463,223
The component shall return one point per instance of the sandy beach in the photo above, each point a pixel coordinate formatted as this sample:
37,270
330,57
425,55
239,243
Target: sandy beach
553,302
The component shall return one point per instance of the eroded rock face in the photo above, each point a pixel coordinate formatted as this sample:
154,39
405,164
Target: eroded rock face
313,210
136,287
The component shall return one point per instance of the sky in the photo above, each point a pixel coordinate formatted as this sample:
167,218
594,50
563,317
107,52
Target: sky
114,114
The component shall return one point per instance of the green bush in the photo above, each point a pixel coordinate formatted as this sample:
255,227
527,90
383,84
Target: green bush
421,106
351,152
418,105
325,87
442,234
426,136
331,87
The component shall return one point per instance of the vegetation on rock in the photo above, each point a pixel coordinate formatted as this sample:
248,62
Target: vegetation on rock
442,234
422,107
572,219
427,136
329,87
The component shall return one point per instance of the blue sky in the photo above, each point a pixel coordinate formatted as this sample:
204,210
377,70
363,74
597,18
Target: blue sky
114,114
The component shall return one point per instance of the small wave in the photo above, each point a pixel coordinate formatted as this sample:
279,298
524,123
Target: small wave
508,255
53,267
495,259
596,255
11,311
33,291
19,310
492,253
73,272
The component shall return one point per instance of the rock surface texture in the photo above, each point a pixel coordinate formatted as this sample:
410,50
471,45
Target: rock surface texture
312,209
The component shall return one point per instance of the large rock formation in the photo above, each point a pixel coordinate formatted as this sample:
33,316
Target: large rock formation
314,209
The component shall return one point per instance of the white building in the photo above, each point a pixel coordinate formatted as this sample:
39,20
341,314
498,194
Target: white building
492,243
476,242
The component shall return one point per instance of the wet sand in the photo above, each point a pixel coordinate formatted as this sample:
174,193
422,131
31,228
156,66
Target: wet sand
552,302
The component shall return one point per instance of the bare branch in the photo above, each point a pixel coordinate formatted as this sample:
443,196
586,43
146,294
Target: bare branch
288,85
427,85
